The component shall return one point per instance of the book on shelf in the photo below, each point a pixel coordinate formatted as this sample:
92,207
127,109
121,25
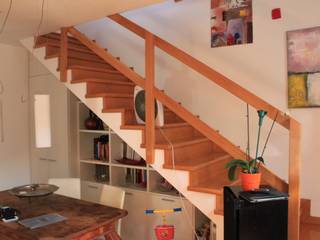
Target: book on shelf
136,177
101,148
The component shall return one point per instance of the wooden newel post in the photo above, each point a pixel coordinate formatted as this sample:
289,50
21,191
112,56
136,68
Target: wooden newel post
63,60
149,90
294,180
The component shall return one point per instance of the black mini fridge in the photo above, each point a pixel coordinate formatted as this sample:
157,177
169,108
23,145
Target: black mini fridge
255,215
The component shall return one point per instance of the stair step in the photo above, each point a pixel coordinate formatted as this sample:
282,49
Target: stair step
115,81
89,63
199,162
44,42
94,87
53,51
310,231
94,69
180,143
133,127
57,36
176,132
142,126
113,95
213,186
126,114
116,103
72,61
213,175
79,73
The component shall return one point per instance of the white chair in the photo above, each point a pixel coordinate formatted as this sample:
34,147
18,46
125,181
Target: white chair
113,197
69,187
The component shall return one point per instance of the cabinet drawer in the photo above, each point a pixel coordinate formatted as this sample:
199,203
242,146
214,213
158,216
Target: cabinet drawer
91,191
133,226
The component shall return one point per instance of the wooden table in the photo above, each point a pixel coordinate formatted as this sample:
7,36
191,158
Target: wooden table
84,220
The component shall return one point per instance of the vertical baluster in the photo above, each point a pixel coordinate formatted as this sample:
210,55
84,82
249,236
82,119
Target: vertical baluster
63,61
294,180
150,107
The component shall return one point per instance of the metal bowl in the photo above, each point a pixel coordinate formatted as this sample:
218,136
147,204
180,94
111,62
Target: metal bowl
33,190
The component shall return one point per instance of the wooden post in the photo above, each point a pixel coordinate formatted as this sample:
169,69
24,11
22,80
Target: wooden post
150,107
294,180
63,61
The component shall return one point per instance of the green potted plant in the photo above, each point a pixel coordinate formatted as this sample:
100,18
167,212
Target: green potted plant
250,174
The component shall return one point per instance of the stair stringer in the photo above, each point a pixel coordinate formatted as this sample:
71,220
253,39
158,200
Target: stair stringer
179,179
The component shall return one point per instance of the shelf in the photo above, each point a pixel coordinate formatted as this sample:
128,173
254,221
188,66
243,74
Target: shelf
128,166
104,132
96,162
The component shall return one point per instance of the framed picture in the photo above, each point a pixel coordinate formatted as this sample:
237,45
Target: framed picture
231,22
304,68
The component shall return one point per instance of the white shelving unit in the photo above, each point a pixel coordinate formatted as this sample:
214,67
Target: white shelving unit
136,225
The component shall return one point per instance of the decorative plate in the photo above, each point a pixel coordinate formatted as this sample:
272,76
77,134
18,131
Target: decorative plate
34,190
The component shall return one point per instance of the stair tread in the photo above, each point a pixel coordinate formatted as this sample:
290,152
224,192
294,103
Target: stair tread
214,186
180,143
95,69
310,231
55,55
116,95
56,35
166,126
53,43
114,110
100,80
200,162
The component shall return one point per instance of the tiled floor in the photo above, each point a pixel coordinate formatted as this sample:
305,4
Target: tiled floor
310,232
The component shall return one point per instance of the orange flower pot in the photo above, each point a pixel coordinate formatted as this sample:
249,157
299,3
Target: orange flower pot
250,181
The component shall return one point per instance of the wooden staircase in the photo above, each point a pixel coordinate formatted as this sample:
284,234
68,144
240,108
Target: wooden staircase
188,144
193,151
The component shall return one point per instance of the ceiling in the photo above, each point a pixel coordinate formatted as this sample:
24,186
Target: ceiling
25,15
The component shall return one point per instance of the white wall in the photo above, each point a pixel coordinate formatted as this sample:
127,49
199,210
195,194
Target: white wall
14,151
259,67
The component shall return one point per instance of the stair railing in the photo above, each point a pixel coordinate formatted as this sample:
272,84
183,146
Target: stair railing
152,93
63,60
283,119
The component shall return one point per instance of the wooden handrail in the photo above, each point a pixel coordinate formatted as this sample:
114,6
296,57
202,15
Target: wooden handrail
150,108
294,180
63,62
153,93
208,72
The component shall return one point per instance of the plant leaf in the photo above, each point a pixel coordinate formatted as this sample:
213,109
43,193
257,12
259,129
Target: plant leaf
232,173
238,162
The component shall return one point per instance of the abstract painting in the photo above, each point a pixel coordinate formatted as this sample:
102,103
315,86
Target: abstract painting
231,22
304,68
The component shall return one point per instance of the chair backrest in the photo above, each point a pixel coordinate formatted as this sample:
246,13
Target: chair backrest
69,187
112,196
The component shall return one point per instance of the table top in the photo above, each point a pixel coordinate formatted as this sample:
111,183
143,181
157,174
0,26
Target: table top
82,217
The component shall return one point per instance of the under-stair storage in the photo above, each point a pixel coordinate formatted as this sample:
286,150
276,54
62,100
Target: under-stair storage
145,188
